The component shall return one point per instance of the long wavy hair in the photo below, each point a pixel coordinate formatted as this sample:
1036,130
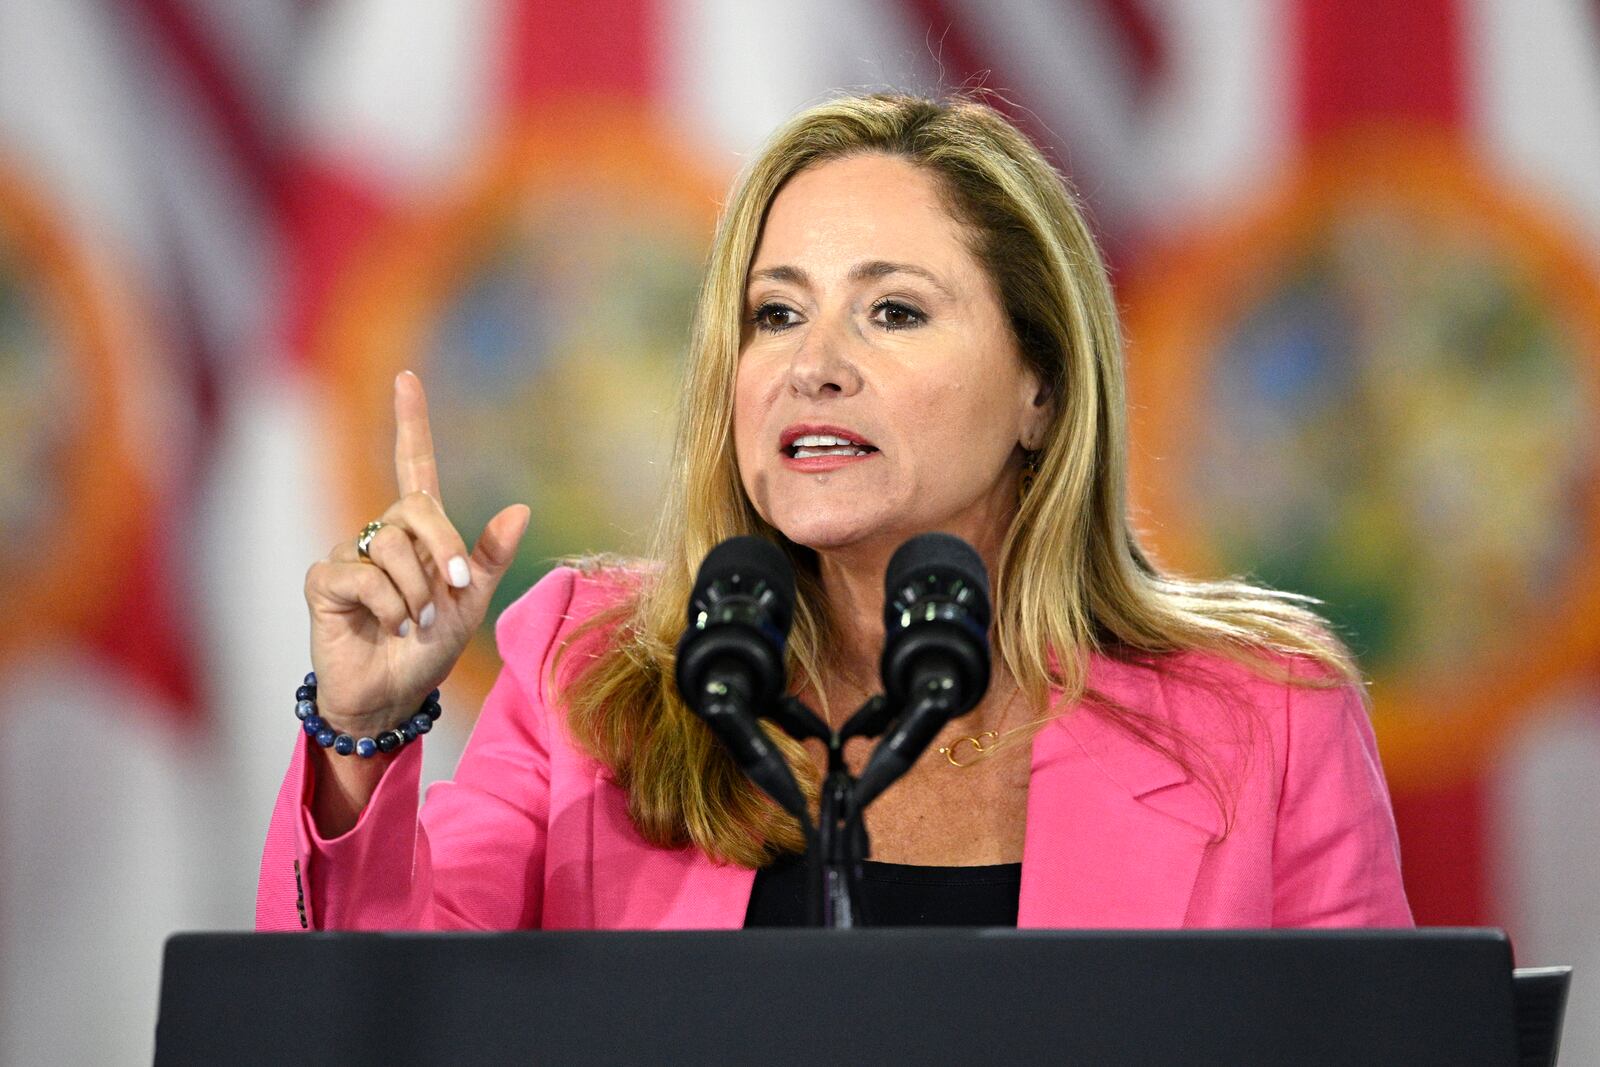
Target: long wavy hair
1072,579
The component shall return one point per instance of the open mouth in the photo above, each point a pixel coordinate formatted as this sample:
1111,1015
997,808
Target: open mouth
813,445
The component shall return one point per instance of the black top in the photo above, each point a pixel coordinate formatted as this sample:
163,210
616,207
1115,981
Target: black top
896,894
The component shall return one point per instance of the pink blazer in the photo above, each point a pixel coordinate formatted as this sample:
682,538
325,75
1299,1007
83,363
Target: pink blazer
534,833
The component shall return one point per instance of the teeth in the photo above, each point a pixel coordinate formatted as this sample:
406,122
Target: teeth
805,453
820,440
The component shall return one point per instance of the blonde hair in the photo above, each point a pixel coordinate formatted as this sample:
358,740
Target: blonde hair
1072,577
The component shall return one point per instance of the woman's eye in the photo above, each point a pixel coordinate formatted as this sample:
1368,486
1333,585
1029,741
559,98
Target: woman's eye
773,317
893,315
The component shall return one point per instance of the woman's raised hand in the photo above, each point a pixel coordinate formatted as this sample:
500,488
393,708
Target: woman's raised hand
387,629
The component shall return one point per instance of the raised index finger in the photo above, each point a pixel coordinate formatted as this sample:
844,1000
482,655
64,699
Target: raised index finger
414,465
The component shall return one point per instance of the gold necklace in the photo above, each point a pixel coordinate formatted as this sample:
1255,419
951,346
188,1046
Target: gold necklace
988,742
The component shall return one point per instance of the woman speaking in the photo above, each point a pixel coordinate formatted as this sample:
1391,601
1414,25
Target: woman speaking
905,327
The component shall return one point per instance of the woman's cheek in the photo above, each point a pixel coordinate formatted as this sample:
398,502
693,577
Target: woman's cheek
746,457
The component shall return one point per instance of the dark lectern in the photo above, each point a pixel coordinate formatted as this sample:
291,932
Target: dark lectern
811,997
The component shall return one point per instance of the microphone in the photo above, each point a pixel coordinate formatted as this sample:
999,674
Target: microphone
730,665
935,649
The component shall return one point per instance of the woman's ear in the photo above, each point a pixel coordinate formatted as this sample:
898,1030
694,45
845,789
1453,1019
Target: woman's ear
1037,412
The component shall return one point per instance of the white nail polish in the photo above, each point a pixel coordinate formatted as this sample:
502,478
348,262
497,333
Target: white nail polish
460,576
426,616
405,627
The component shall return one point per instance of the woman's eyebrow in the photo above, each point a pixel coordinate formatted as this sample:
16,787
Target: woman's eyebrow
793,275
867,271
881,268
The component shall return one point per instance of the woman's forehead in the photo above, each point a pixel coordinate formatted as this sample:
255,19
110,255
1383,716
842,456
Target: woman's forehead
835,216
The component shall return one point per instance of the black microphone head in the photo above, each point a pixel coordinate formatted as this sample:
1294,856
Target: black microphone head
740,612
949,562
936,617
746,566
730,666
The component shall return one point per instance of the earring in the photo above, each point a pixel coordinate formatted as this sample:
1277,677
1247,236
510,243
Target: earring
1030,471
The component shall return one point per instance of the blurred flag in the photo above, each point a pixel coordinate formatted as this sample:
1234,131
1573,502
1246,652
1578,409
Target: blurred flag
1366,365
135,227
1356,243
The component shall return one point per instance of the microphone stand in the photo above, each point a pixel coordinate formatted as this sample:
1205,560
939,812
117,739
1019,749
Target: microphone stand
833,897
833,869
837,846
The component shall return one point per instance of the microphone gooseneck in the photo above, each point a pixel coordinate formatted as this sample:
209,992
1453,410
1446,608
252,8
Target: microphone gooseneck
730,664
935,651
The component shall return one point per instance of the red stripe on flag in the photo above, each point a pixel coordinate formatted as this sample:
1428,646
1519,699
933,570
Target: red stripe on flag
144,633
217,92
967,62
1365,62
1379,60
953,48
599,47
330,215
1444,853
187,44
1146,51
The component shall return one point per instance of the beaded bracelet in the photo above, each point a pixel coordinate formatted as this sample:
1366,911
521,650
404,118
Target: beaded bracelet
305,709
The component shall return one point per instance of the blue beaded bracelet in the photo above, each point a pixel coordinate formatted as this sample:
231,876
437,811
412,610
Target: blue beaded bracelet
305,709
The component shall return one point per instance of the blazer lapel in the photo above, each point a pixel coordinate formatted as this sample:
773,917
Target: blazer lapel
1116,831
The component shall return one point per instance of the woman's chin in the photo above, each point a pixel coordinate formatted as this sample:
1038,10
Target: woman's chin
828,533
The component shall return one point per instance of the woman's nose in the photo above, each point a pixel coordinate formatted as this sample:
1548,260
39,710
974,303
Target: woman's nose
821,364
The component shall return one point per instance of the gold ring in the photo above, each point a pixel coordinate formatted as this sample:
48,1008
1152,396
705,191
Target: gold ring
364,538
